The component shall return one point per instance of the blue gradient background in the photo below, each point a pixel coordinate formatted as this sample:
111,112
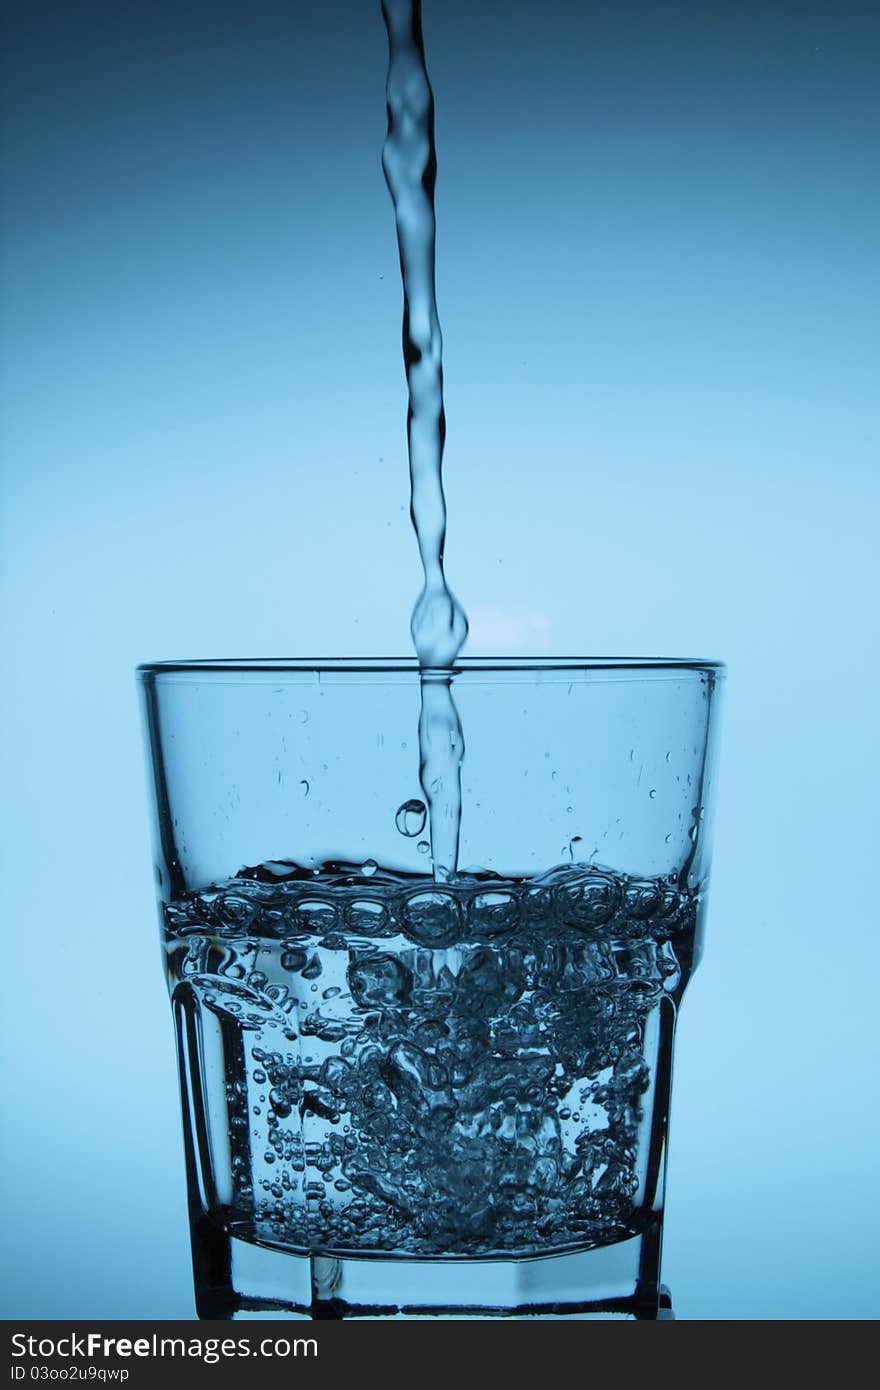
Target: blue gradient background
657,276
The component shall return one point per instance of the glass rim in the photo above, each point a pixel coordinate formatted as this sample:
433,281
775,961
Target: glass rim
401,665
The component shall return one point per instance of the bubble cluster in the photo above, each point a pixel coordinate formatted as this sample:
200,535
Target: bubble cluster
465,1069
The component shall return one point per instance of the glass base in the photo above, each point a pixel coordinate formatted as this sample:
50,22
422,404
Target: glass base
237,1280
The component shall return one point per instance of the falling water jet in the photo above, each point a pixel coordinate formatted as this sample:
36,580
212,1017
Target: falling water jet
439,625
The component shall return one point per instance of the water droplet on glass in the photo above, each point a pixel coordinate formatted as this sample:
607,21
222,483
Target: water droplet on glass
369,867
410,818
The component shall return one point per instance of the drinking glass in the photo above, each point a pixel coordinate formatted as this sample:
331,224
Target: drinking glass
410,1098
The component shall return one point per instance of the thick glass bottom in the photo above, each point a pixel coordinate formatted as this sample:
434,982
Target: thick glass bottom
238,1280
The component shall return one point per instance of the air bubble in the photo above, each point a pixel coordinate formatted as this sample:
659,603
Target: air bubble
280,1102
313,969
366,916
641,899
591,903
432,918
237,913
316,915
369,867
423,847
380,979
493,914
410,818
